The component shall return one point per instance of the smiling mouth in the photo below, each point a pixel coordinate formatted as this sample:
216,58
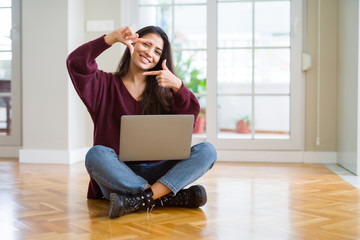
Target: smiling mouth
144,59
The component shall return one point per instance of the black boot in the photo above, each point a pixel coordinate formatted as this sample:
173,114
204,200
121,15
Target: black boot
193,197
121,204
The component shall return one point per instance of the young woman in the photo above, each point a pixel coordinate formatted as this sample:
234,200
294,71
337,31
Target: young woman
144,83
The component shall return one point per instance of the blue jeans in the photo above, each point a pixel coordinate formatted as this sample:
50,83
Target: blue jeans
113,175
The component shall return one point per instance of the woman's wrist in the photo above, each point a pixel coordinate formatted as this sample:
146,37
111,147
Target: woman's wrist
178,86
110,39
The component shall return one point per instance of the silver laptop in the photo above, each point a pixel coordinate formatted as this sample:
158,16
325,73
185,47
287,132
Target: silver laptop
155,137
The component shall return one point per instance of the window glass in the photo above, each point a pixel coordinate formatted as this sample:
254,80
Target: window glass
191,68
150,2
5,3
188,32
272,23
234,117
5,20
235,0
200,125
189,1
235,24
272,71
157,16
272,117
234,71
5,65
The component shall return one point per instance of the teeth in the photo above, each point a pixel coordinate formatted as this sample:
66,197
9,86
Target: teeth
145,59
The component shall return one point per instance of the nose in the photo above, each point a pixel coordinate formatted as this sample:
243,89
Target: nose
148,52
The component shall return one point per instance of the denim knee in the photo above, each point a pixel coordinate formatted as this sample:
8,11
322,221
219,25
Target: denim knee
94,156
208,152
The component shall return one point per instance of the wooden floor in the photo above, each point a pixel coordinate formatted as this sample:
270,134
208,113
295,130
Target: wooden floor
245,201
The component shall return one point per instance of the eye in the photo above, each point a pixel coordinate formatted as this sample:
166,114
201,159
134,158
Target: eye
158,53
146,44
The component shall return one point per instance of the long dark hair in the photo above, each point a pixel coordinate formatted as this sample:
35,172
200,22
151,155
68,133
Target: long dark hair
155,99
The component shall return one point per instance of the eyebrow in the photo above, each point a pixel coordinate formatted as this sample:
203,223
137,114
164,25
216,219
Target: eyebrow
157,47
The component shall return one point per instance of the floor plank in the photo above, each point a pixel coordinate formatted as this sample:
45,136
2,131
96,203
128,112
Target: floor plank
245,201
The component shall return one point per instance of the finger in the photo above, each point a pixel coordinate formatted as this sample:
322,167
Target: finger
160,83
132,36
164,65
163,84
143,40
131,48
153,73
127,31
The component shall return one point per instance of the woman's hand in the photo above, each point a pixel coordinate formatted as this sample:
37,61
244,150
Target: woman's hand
166,78
126,36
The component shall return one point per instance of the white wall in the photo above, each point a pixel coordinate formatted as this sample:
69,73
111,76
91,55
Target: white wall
324,61
44,76
53,117
76,109
348,38
56,126
97,10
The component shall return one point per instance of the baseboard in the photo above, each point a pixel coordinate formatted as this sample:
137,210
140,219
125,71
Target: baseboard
52,156
277,156
78,155
320,157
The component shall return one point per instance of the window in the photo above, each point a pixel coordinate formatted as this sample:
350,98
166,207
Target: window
242,60
9,73
253,69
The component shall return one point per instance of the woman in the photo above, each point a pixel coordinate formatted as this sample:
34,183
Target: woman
144,83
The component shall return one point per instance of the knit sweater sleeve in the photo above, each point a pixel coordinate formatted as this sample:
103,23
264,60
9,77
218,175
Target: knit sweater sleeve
88,80
185,102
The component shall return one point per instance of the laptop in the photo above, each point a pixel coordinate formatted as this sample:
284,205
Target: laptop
155,137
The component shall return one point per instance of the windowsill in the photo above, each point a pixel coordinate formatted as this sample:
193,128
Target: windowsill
257,136
199,135
233,135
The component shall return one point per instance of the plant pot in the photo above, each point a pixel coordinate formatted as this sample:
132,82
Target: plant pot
199,125
242,127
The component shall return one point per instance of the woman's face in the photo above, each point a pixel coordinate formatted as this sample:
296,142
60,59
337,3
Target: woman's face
147,55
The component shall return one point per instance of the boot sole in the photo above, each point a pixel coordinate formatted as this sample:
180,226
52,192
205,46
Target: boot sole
201,189
116,206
